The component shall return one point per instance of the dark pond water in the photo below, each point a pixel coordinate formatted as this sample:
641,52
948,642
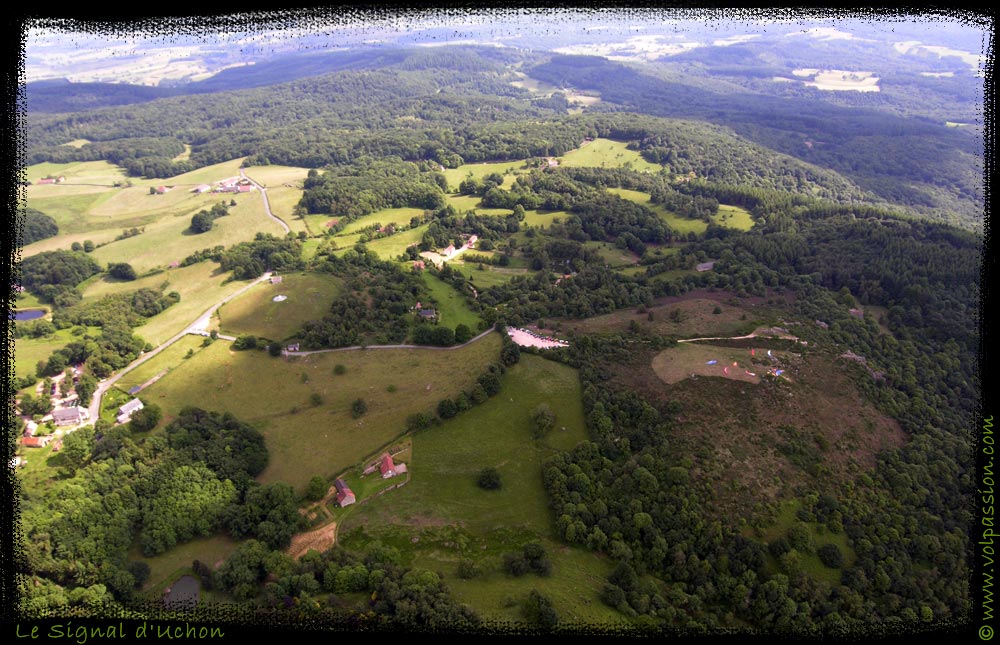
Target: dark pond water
28,314
183,593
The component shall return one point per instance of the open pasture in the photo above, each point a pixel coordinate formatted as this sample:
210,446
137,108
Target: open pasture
305,438
309,296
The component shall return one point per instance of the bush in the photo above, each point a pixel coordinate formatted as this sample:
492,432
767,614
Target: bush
274,349
317,489
358,408
122,271
468,569
418,421
339,369
830,555
489,479
245,342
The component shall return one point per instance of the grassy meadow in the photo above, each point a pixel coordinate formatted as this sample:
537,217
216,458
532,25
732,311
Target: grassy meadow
305,438
451,306
309,296
605,153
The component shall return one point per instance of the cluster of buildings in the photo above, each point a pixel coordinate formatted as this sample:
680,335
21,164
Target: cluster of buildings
231,185
385,466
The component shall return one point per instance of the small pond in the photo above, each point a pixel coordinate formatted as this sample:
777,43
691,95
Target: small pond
183,594
27,314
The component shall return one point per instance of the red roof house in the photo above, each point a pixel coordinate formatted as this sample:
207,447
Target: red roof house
387,468
345,496
36,442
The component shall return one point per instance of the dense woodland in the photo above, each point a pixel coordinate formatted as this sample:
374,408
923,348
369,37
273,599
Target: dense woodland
861,220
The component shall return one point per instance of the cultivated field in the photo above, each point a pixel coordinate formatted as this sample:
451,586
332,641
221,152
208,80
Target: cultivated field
306,439
442,516
308,297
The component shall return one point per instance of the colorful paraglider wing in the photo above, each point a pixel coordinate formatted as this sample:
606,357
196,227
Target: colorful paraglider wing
712,362
778,372
726,370
751,352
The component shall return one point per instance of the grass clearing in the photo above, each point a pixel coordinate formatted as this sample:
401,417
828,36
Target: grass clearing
306,440
309,297
390,248
543,219
464,203
397,216
455,176
166,568
733,217
442,516
612,255
488,276
271,177
680,224
680,362
605,153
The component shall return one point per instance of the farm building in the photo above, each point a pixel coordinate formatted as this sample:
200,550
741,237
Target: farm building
244,188
162,190
449,251
857,313
69,416
36,442
427,314
705,266
294,347
419,265
345,496
126,411
275,279
29,428
201,188
387,468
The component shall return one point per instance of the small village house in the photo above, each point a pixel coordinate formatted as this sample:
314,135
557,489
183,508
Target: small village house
126,411
70,416
345,496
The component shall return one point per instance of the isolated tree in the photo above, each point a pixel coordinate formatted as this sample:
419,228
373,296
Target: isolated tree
122,271
489,479
543,419
358,408
202,222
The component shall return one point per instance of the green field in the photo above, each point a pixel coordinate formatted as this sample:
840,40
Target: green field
488,276
733,217
306,440
451,306
678,363
169,239
542,219
271,177
605,153
389,248
28,351
397,216
612,255
464,203
309,296
442,516
169,359
455,176
200,286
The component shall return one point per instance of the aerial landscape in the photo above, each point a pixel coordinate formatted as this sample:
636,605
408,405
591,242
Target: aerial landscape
609,322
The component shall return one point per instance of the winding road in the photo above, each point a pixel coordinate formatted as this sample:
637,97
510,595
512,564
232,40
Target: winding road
267,204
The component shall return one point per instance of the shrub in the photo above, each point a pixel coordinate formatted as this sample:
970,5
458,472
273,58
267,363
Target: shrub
339,369
358,408
489,479
830,555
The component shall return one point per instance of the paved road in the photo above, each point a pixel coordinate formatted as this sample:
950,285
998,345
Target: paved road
197,327
353,347
267,204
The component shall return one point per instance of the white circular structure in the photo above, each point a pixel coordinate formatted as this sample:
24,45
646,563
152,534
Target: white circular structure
279,298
